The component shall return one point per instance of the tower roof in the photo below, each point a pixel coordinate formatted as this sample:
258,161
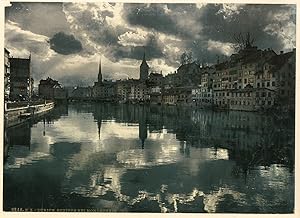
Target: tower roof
100,73
144,62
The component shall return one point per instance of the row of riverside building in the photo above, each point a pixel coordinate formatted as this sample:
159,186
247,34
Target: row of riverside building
19,84
250,80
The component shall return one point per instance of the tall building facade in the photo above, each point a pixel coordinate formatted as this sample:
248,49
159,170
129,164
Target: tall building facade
144,69
20,78
6,74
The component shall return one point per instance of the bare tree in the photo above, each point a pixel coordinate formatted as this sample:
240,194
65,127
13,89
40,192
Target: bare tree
186,58
243,41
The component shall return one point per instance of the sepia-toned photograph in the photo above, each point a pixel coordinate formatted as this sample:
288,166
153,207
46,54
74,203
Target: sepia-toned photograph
149,107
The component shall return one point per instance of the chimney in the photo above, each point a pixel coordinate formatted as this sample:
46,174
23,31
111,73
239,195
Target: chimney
281,52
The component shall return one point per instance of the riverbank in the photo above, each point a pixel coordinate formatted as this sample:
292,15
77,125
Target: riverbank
17,115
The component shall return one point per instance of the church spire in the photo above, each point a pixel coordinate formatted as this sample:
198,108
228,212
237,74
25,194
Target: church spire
144,68
144,57
100,73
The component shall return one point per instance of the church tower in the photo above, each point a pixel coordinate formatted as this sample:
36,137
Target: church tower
144,69
100,73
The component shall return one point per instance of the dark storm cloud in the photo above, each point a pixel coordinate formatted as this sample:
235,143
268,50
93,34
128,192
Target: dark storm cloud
212,22
250,18
65,44
153,16
152,48
121,32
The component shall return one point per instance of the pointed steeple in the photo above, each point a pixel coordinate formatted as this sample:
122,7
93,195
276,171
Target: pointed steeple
100,73
144,57
144,68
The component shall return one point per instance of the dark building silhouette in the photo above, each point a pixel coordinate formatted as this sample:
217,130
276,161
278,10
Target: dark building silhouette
144,69
51,89
21,83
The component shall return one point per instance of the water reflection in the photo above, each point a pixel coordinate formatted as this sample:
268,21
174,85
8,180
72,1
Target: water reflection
153,159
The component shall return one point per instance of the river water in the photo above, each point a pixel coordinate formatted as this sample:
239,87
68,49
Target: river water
111,157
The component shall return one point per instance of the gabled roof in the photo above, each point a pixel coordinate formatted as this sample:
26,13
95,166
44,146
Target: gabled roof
222,66
50,82
279,60
186,67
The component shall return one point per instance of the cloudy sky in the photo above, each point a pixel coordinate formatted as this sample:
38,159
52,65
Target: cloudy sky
66,40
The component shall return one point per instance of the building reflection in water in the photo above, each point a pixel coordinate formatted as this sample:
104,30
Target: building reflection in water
191,154
20,134
250,137
143,132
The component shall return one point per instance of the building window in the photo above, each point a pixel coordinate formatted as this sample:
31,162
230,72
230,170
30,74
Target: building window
269,94
273,83
258,85
268,84
269,102
245,80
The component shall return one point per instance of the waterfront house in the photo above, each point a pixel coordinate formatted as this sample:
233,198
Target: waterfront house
81,93
138,91
122,90
21,82
51,89
155,95
243,99
283,67
169,97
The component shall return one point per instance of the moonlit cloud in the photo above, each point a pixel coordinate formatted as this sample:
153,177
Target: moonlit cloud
133,38
219,47
121,32
228,11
